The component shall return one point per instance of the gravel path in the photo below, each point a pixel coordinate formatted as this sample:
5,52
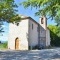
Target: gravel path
45,54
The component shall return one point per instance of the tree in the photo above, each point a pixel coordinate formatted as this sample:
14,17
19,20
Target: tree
8,12
54,34
48,8
1,28
58,31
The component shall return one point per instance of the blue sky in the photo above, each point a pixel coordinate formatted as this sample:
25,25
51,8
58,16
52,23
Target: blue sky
27,12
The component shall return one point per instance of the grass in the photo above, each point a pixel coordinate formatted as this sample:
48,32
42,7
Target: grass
3,46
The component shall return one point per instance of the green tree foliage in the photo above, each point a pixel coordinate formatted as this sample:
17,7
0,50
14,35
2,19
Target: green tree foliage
55,35
50,8
1,28
8,12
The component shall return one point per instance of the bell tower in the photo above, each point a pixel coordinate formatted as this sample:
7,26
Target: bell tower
43,29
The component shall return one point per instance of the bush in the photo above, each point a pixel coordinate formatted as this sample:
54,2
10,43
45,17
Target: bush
35,47
5,45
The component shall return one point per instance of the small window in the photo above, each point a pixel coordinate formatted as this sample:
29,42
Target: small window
32,26
42,21
17,24
37,29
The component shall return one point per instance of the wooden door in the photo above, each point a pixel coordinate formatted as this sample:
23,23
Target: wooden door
17,43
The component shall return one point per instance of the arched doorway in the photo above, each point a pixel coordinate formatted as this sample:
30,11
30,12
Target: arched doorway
17,43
